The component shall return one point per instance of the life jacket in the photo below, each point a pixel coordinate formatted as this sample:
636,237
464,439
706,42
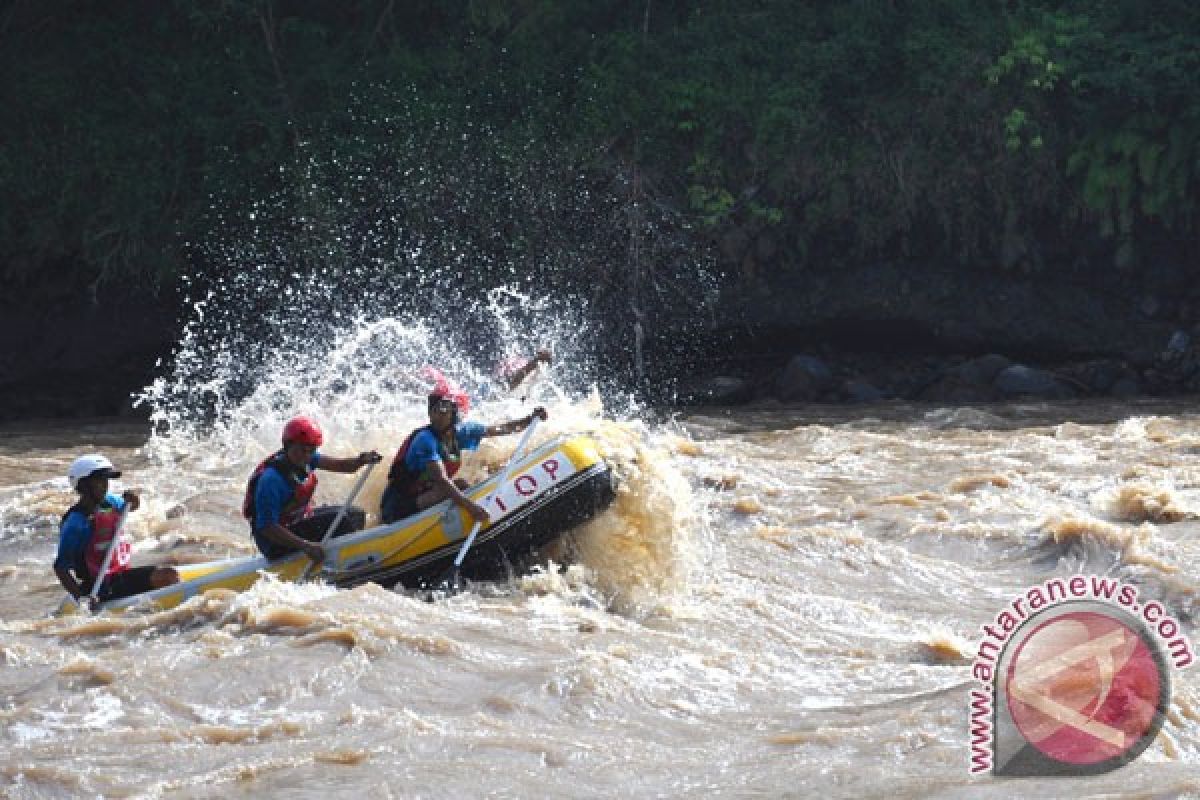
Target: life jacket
103,521
410,483
301,480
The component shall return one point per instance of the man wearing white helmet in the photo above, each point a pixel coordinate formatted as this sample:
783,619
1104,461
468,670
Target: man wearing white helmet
87,530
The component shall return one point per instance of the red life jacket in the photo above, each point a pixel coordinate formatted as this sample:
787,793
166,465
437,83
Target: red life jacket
404,478
103,522
301,480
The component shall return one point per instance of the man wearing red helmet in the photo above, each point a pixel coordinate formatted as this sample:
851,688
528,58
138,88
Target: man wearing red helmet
422,473
278,501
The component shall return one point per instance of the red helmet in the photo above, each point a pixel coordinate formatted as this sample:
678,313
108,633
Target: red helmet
303,430
444,388
453,394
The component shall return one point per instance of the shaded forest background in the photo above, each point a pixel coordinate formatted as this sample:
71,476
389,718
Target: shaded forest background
648,145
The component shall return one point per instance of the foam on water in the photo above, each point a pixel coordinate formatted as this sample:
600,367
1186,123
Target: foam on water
803,622
365,382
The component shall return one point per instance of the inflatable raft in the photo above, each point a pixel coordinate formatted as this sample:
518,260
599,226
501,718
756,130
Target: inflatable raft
547,492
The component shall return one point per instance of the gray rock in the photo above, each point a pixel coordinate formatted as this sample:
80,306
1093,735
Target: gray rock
859,391
1096,376
804,378
1104,375
950,388
717,390
983,370
1179,342
1128,386
1019,379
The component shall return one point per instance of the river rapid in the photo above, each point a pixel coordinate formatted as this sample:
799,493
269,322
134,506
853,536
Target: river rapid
782,602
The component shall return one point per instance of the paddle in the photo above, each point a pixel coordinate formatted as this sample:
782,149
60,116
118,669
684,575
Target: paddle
337,520
108,554
451,579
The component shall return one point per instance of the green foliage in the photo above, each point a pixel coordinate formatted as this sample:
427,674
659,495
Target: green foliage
989,135
1118,84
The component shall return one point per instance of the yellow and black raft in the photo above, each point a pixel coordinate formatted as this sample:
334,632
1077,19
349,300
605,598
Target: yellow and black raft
547,492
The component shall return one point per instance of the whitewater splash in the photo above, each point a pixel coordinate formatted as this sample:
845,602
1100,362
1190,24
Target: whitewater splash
425,246
366,383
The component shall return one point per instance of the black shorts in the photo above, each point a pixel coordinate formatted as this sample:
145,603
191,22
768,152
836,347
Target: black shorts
396,504
125,584
314,526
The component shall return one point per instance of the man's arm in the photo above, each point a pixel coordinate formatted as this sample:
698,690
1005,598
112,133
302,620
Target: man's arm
542,356
128,498
438,476
512,426
67,579
352,464
72,540
282,536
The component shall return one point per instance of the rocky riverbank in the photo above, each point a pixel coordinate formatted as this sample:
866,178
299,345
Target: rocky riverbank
884,332
858,335
858,378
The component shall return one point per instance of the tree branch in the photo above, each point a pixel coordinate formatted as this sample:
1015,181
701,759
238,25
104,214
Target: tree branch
267,21
385,15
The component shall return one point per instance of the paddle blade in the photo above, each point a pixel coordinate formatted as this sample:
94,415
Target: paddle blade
451,581
68,607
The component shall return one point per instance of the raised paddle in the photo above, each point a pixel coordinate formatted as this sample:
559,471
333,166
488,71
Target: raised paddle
451,580
337,520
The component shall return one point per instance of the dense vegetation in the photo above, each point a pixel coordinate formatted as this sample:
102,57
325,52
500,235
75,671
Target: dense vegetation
1028,135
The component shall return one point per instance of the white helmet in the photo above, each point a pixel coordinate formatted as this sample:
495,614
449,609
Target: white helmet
86,466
